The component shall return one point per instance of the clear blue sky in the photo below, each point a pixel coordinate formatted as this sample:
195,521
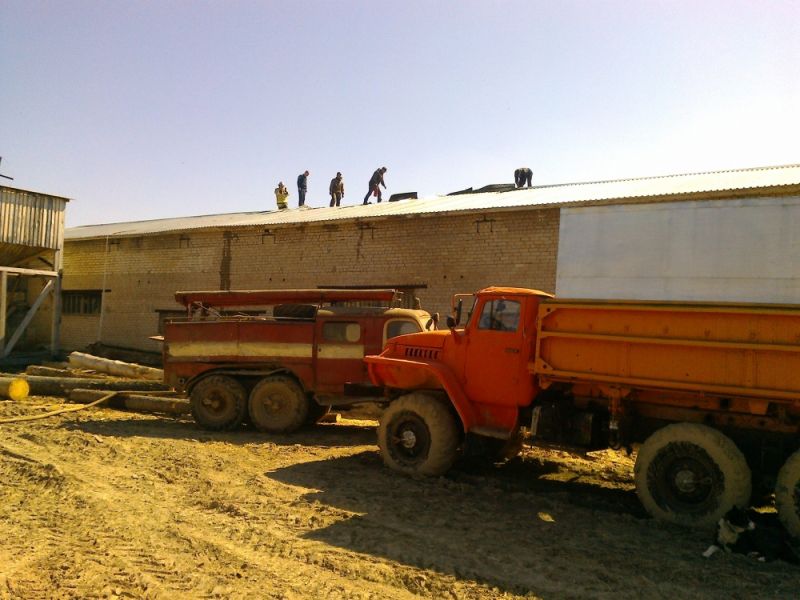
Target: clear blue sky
143,110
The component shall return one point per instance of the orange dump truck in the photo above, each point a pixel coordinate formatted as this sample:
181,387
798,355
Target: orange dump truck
711,391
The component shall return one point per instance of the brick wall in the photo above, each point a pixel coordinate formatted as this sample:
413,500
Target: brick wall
446,253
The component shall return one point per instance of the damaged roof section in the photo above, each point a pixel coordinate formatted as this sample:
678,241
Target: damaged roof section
779,179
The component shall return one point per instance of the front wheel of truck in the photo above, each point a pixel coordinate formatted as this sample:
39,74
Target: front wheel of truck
419,435
691,475
787,494
218,403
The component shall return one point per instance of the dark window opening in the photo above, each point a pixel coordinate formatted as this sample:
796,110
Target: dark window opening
81,302
341,332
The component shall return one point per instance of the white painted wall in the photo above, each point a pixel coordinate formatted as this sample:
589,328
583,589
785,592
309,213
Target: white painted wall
738,250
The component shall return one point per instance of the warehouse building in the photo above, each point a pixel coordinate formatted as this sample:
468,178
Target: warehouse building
725,236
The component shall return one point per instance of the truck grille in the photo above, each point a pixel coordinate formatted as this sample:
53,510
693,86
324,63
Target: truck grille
427,353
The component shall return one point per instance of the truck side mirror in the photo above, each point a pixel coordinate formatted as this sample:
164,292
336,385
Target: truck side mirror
459,306
451,322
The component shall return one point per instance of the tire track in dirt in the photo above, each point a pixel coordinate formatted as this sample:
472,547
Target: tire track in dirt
322,568
134,506
78,532
31,536
290,521
246,501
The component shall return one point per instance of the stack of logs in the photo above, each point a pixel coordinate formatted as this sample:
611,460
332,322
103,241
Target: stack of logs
140,388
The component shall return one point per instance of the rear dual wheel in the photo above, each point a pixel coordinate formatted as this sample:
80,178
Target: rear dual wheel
787,494
691,475
278,404
218,403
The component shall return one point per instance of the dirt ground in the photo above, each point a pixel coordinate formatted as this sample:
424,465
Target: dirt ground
120,505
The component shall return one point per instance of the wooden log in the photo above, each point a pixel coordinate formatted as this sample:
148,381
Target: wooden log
114,367
134,402
55,364
61,386
14,388
46,371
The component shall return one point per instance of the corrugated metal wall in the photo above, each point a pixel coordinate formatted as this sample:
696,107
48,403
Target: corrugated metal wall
735,250
29,219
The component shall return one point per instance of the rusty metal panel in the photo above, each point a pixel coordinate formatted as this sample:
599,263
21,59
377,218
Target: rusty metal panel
725,349
29,223
272,297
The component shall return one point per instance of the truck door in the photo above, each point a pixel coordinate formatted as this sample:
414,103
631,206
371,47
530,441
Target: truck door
339,352
496,353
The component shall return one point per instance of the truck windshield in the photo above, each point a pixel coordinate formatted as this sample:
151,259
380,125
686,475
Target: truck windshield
500,315
395,328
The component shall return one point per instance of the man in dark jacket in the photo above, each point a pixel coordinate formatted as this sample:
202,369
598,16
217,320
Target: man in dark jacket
522,176
374,185
302,187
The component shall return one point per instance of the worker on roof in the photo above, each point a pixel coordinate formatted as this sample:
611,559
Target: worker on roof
523,175
374,185
336,189
281,194
302,187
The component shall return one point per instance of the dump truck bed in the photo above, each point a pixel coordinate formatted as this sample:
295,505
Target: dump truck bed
744,350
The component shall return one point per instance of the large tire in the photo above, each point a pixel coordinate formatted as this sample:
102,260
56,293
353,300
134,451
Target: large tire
418,435
218,403
691,475
278,405
787,495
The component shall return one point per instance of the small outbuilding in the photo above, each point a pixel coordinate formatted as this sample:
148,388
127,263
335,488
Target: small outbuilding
31,256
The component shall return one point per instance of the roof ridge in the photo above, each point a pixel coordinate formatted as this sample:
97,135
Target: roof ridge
563,194
246,212
650,177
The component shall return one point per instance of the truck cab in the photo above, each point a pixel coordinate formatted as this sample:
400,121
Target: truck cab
480,368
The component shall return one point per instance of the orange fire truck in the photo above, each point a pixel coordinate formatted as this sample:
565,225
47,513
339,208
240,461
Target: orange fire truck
280,357
711,391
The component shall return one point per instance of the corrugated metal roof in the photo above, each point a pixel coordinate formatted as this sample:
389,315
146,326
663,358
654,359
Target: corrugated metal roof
29,223
642,188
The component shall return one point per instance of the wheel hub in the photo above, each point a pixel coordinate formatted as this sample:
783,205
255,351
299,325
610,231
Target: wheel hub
214,402
272,402
408,439
685,481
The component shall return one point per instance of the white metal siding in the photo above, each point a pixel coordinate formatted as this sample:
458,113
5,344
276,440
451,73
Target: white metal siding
744,250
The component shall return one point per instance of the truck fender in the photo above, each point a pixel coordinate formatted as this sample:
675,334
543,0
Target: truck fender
442,374
234,372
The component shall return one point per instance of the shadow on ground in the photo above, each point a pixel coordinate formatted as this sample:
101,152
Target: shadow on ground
322,435
483,523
